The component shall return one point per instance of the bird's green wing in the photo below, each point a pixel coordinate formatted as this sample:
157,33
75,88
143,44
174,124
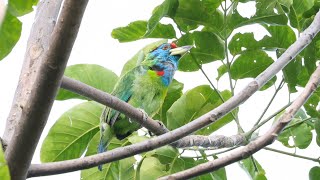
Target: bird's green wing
123,90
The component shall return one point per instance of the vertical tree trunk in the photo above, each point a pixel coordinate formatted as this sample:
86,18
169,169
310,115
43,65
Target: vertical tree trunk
49,47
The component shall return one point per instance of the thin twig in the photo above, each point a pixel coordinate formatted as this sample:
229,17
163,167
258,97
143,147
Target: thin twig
293,155
271,100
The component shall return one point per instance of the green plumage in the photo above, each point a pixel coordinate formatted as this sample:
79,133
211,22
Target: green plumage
145,87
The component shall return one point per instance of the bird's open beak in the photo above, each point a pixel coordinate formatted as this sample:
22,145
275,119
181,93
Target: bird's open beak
180,50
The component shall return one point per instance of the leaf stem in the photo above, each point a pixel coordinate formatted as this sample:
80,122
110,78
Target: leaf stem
297,123
254,164
271,100
215,89
254,128
292,154
236,119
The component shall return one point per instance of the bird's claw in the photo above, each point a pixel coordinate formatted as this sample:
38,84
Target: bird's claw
160,123
144,114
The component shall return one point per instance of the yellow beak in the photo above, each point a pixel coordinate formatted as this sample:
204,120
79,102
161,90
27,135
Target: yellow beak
180,50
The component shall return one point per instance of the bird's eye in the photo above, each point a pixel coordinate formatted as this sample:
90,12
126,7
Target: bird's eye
165,48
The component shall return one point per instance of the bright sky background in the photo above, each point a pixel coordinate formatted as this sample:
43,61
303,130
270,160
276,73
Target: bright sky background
95,45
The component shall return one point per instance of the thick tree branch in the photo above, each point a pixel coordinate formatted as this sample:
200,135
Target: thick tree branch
44,80
203,121
45,20
217,141
255,145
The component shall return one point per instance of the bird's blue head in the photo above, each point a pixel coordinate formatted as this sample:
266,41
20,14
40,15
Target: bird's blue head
164,60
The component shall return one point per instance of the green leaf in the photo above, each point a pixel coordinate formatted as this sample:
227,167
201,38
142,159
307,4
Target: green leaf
300,133
195,103
291,73
123,169
297,11
314,173
131,63
281,37
167,8
170,158
216,175
250,64
4,169
10,31
151,168
192,13
21,7
173,94
137,30
208,47
265,14
90,74
69,136
312,104
311,55
221,71
241,42
248,166
317,126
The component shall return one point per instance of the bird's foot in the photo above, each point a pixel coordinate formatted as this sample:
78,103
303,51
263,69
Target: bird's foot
161,124
144,115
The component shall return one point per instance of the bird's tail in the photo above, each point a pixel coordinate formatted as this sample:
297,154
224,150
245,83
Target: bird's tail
106,134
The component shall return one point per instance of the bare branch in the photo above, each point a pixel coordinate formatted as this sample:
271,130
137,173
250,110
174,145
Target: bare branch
258,144
201,122
44,80
45,20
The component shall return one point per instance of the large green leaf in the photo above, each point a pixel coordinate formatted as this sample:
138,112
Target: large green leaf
265,14
300,133
167,8
195,103
90,74
173,94
10,31
314,173
192,13
122,169
208,47
281,38
69,136
4,169
137,30
250,64
21,7
249,166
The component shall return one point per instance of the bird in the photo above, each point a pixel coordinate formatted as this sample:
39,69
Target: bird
144,87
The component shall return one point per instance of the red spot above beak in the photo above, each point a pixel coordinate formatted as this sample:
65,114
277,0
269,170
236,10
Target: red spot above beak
173,45
160,73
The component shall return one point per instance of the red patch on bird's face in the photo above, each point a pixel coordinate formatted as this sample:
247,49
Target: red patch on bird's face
160,73
173,45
